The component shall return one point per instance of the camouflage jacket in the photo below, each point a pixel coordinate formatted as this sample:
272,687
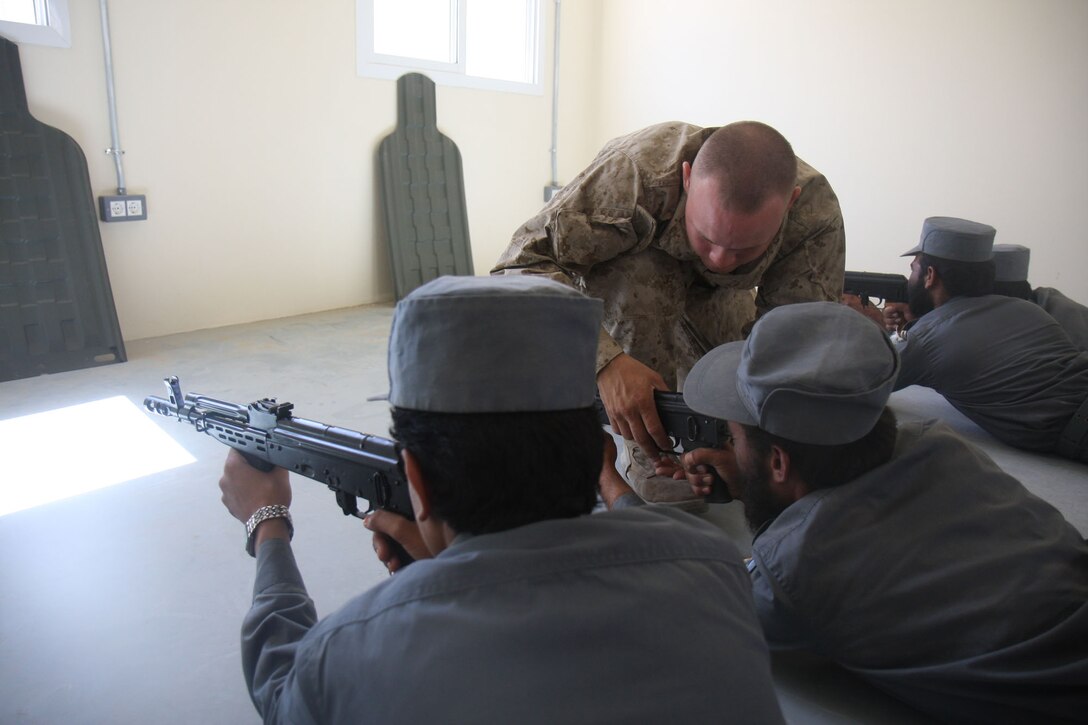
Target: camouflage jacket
631,198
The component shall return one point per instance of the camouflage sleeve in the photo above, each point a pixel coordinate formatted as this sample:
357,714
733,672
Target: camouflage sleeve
607,349
593,219
812,259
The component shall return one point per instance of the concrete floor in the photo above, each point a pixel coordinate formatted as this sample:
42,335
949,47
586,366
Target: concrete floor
123,605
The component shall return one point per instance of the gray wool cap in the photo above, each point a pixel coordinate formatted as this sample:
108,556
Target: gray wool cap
812,372
959,240
514,343
1011,263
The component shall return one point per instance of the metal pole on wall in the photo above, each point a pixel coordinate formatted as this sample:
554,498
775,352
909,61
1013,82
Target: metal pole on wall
550,189
111,98
122,207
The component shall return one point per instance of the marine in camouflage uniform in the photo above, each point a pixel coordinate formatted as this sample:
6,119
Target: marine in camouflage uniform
617,231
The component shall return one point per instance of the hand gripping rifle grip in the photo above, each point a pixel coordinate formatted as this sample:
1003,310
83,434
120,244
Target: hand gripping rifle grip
719,493
262,465
259,463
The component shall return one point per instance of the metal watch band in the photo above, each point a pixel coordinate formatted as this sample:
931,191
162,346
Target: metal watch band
264,513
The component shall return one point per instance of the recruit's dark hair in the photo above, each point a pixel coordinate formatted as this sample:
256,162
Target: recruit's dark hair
751,161
961,279
829,466
1020,289
491,472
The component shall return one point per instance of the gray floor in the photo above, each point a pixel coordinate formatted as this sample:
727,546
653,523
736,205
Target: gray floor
123,605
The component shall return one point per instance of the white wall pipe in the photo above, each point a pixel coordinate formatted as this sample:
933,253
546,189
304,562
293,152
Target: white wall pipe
111,98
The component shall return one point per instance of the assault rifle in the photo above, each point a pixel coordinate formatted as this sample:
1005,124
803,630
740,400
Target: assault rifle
687,430
885,287
354,465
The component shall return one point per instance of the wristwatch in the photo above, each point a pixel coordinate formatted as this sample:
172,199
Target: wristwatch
264,513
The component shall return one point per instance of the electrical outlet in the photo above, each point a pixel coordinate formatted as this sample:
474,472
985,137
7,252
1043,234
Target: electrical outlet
122,208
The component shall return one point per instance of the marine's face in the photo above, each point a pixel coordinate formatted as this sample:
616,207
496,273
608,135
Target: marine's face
725,240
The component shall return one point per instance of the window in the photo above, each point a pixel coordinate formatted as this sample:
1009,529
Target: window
40,22
491,44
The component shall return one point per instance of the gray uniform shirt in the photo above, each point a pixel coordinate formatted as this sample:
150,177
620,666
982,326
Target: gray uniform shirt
556,622
1003,362
1070,314
939,578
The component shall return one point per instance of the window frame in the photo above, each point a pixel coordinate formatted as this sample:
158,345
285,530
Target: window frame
55,32
370,64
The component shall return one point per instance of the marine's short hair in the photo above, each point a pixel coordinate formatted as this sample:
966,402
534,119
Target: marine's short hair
751,162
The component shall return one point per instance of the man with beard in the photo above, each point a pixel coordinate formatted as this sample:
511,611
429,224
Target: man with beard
899,551
1011,262
687,234
1003,362
519,606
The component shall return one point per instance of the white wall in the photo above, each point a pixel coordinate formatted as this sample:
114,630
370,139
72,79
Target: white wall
971,108
246,126
254,140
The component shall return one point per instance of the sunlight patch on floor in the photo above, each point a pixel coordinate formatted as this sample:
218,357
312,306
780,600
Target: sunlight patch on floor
69,451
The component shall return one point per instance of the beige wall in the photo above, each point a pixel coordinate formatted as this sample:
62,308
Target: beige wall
254,140
971,108
246,126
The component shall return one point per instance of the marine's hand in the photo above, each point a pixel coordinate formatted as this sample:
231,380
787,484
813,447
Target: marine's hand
611,483
627,390
611,453
385,526
246,489
873,312
896,316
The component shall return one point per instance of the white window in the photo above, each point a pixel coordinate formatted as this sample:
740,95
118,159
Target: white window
491,44
40,22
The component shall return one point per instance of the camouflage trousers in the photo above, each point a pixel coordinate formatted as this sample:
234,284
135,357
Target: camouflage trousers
665,315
